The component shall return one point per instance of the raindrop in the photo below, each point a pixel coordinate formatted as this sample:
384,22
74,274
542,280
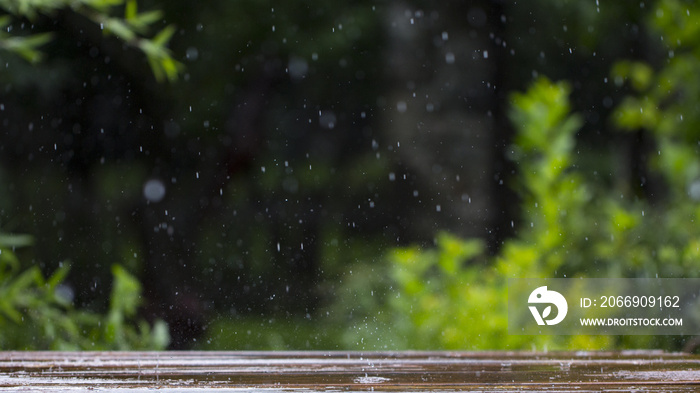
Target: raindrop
401,106
154,190
262,169
607,102
444,36
450,58
327,119
298,68
694,190
438,208
192,53
486,54
392,176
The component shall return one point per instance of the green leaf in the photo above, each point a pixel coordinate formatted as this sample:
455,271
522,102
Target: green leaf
58,276
119,28
126,292
455,251
27,46
163,37
637,73
101,5
171,68
10,240
160,336
149,17
130,10
141,21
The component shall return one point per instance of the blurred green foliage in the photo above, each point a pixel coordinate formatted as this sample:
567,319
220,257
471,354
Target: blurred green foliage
666,101
37,312
572,225
132,28
454,295
664,108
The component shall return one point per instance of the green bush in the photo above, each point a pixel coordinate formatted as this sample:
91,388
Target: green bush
35,313
454,296
573,223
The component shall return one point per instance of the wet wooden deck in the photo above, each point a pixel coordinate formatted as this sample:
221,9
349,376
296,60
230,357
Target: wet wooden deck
354,371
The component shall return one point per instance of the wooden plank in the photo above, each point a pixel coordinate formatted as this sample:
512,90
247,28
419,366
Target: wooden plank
349,371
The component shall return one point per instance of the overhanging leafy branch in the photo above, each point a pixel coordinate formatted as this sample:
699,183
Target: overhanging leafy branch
133,28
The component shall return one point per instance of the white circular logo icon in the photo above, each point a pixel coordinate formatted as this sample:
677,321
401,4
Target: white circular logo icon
542,296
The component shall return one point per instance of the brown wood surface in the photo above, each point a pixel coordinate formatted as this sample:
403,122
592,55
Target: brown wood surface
349,371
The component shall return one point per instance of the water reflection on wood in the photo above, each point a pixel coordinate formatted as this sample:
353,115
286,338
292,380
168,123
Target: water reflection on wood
349,371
